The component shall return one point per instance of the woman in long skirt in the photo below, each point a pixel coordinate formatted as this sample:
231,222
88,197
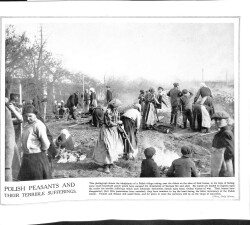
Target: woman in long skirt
109,145
35,164
150,113
131,120
93,100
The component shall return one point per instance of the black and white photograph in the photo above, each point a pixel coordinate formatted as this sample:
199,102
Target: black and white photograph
120,97
124,111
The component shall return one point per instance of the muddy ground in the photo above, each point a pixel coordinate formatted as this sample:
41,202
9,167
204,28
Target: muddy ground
168,147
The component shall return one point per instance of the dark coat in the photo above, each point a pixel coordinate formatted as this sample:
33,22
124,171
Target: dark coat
98,116
86,97
109,95
225,139
182,167
149,168
186,101
92,97
203,92
9,144
72,101
174,95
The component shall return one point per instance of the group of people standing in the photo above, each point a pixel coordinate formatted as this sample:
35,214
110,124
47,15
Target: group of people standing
118,134
58,109
198,114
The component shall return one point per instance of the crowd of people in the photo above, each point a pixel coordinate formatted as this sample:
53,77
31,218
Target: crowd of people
118,132
197,113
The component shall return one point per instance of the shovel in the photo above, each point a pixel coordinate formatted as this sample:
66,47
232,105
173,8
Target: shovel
127,138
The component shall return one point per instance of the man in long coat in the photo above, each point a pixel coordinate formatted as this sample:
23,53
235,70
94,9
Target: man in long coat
109,95
174,95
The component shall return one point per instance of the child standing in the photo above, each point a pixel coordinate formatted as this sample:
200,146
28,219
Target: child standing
186,105
148,167
184,166
35,164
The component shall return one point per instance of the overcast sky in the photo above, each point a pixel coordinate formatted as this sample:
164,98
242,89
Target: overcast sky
159,51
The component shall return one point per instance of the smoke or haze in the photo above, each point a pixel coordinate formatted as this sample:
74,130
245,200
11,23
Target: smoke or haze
163,156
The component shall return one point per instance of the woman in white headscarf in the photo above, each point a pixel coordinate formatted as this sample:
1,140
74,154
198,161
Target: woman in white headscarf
132,121
205,109
204,91
93,101
109,144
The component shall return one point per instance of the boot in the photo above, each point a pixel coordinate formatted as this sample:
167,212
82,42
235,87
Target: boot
106,169
175,120
172,116
191,125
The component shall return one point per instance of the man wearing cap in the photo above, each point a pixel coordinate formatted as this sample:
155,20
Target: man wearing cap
186,106
174,95
132,122
148,167
223,146
184,166
108,94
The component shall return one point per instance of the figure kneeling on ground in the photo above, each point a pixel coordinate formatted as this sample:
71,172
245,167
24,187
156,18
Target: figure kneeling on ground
64,140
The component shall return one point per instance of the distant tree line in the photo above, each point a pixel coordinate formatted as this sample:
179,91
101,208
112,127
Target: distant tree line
42,75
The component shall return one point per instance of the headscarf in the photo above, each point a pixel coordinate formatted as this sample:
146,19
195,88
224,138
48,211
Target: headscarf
92,89
203,85
152,90
137,106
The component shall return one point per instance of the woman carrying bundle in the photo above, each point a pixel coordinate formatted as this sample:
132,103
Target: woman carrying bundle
109,144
